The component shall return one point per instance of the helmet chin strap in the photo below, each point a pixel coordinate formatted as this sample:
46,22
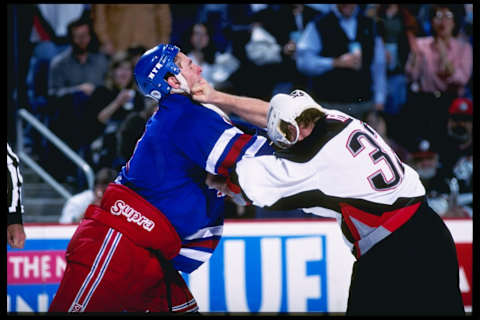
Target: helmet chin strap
184,88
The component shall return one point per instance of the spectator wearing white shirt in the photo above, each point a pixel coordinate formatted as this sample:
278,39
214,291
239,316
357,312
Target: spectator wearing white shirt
344,55
75,207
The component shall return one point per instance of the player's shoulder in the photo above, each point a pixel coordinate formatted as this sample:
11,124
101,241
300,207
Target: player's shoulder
181,103
195,114
333,115
174,108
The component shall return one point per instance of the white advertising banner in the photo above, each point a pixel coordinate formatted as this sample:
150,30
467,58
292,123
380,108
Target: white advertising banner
283,266
258,266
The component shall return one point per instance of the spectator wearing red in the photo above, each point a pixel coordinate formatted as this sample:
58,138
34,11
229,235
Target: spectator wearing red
456,157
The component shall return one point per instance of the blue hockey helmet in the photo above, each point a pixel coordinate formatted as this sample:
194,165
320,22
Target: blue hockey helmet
152,67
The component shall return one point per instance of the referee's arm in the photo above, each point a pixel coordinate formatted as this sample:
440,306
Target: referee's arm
15,233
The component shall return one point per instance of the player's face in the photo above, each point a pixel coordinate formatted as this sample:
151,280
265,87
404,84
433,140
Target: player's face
191,71
304,131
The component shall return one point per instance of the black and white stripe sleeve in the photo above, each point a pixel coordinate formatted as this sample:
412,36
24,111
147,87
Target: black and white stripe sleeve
14,189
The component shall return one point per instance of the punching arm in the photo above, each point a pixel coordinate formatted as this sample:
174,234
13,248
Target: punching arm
250,109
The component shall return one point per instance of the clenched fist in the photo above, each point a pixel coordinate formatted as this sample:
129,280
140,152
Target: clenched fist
202,91
16,236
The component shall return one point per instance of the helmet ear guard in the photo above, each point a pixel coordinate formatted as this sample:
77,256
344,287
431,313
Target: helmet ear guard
152,67
286,108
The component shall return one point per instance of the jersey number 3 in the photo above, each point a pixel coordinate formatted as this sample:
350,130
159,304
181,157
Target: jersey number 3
378,180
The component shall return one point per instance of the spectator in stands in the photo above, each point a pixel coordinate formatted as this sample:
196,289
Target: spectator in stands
80,68
344,55
132,128
380,122
73,76
446,169
199,47
294,18
108,107
438,71
456,155
50,26
75,207
398,27
238,30
425,160
121,25
49,38
256,49
460,130
444,62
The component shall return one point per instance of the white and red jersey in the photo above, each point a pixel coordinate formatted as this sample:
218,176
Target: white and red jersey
343,166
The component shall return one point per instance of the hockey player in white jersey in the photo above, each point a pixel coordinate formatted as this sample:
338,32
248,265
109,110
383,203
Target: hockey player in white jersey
406,261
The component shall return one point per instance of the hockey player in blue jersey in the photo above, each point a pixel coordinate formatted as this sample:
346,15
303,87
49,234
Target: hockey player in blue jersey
159,217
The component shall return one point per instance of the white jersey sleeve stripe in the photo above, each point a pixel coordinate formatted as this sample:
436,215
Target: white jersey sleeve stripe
195,254
206,232
253,149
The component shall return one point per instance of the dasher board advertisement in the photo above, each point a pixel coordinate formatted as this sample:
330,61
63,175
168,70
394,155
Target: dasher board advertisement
269,266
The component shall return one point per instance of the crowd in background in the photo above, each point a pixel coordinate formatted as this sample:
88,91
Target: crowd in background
405,69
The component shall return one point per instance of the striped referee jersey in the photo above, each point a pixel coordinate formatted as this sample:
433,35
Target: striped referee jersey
14,188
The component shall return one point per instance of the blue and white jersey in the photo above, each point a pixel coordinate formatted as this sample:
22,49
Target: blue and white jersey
183,141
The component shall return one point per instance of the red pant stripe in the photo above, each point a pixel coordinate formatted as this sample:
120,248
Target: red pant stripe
103,269
102,253
189,306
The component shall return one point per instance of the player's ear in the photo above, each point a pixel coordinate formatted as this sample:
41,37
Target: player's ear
173,82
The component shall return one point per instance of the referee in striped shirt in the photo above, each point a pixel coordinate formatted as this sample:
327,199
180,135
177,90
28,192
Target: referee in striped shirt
15,233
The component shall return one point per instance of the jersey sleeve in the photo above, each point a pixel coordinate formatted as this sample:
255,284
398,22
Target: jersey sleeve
216,144
267,179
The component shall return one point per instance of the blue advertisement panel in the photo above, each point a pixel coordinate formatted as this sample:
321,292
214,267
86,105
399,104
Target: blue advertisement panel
34,274
268,274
